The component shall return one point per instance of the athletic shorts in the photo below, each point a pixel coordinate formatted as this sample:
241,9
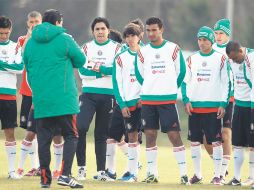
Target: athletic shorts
24,110
227,119
8,114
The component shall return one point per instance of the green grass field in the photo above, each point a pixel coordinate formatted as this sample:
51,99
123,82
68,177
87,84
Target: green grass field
168,169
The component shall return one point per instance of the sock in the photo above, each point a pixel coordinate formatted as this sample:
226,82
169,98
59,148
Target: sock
10,148
33,152
225,163
196,158
151,155
251,163
217,158
24,150
238,161
133,158
58,152
179,153
111,156
124,148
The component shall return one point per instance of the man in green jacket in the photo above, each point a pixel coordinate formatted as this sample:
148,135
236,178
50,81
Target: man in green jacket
50,57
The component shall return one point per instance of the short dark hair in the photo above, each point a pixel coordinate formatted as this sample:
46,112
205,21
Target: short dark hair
131,29
154,20
115,35
233,46
52,16
5,22
139,22
99,19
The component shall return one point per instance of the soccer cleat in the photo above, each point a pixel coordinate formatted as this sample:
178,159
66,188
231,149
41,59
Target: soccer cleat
20,172
104,176
111,175
69,181
216,181
33,172
81,174
125,176
150,179
46,185
56,174
222,180
196,180
14,175
130,178
185,180
248,182
234,182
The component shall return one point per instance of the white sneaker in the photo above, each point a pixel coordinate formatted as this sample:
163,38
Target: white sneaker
81,173
103,176
14,175
248,182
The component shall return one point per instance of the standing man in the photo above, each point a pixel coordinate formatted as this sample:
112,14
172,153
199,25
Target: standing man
160,69
97,96
241,61
205,95
222,30
50,57
29,143
10,65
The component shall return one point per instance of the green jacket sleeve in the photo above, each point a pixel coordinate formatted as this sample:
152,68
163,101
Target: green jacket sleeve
181,69
75,53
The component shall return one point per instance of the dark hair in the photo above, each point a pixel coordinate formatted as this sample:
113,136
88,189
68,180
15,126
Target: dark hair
99,19
52,16
115,35
154,20
131,29
138,22
5,22
233,46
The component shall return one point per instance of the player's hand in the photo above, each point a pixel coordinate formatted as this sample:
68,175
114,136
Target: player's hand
94,66
126,112
220,113
29,32
188,108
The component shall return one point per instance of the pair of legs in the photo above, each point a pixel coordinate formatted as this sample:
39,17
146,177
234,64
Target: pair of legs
167,116
200,125
102,105
129,128
8,118
227,140
46,128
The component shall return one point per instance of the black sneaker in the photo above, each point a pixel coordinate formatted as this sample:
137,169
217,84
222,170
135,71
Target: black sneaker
45,185
69,181
195,180
185,180
234,182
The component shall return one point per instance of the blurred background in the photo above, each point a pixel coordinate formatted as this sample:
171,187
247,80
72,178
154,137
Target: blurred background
182,18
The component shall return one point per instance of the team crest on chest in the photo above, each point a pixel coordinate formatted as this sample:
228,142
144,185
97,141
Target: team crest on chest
4,52
99,52
157,56
240,67
204,64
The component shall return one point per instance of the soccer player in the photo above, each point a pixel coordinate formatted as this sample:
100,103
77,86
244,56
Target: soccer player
160,69
126,91
97,95
138,22
50,57
29,143
222,32
10,65
205,95
241,59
